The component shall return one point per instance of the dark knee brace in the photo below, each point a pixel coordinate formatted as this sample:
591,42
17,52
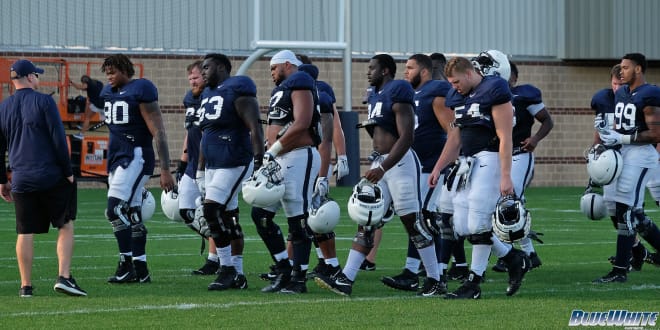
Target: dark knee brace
297,229
320,238
117,214
481,238
230,219
269,231
364,237
447,227
418,234
624,215
188,215
137,226
219,232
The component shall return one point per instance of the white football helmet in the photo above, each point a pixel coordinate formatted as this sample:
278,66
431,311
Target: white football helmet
265,187
148,205
169,203
511,221
324,216
366,206
593,206
492,63
603,165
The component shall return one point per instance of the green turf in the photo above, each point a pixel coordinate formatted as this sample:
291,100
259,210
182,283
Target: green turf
575,252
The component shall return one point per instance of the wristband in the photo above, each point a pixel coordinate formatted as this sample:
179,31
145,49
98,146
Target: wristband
626,139
275,148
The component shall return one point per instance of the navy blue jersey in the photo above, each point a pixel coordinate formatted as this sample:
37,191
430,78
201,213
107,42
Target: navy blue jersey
527,102
475,118
325,87
31,130
226,140
127,127
629,107
280,109
193,113
603,104
430,137
381,102
94,88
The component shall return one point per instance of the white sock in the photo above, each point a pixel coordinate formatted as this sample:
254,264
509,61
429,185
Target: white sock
213,257
319,254
527,246
334,262
237,261
281,256
480,254
500,248
430,261
353,263
412,264
224,254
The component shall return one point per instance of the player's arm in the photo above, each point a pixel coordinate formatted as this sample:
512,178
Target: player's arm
154,120
547,124
80,86
652,135
445,117
325,147
338,139
248,110
503,119
5,186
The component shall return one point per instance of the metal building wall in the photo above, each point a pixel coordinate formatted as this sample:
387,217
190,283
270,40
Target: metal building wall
573,29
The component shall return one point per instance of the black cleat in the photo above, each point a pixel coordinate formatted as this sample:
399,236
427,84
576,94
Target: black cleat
125,271
458,273
500,266
240,282
639,254
653,259
536,261
225,279
616,275
469,290
518,263
25,291
283,270
319,269
270,276
339,284
142,271
407,281
68,286
433,287
297,284
368,265
210,267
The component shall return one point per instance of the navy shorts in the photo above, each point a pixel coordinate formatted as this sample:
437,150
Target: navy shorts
36,210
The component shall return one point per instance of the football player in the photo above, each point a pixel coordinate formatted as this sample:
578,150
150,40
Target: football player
603,105
485,120
528,107
134,120
188,192
396,168
432,121
232,138
634,130
292,144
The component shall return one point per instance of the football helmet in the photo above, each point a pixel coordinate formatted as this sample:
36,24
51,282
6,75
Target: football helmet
366,206
265,187
323,215
148,205
603,165
592,205
169,203
492,63
511,221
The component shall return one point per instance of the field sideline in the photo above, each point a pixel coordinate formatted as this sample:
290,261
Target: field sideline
575,252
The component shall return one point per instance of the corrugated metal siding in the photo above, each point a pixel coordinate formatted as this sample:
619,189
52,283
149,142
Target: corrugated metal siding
593,28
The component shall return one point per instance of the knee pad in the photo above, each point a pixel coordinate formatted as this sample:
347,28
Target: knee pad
263,220
117,214
138,230
420,241
638,221
623,230
230,219
481,238
188,215
135,214
447,227
364,237
319,238
297,231
212,215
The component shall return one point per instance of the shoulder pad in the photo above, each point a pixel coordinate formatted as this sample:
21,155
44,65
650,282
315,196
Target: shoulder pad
402,91
242,85
528,93
299,80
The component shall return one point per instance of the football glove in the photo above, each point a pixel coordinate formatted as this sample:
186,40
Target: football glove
341,168
180,170
321,186
199,180
610,137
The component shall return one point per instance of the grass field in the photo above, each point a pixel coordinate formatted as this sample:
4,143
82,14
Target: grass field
575,252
